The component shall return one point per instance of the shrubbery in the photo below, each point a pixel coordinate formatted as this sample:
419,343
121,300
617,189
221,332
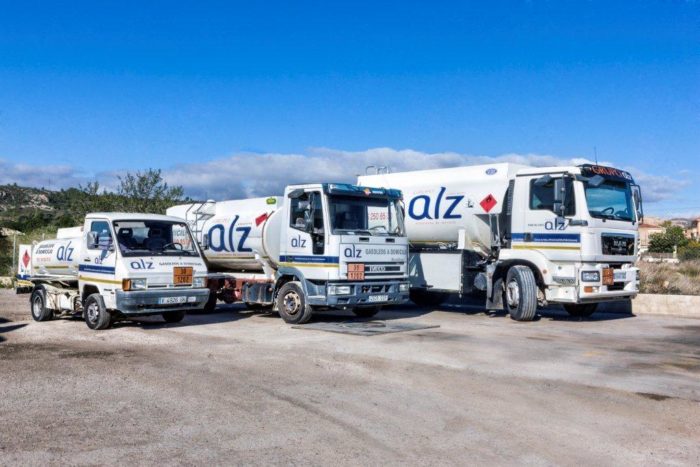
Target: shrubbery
689,252
673,236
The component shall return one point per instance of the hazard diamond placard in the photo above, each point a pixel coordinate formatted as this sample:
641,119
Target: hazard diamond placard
488,203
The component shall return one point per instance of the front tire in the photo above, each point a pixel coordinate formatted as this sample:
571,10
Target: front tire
37,303
581,310
96,315
210,306
366,312
291,304
173,316
520,295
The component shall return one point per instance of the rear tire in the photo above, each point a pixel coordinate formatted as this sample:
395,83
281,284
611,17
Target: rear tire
173,316
366,312
96,315
581,310
37,304
291,304
520,296
427,299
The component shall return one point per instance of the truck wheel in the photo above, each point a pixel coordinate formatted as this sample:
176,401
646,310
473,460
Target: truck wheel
581,310
38,305
210,306
291,304
366,312
96,315
173,316
426,299
520,296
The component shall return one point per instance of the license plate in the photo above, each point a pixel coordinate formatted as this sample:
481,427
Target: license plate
608,277
378,298
182,275
356,271
171,300
620,276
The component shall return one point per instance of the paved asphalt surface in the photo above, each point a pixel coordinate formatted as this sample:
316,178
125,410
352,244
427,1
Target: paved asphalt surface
238,387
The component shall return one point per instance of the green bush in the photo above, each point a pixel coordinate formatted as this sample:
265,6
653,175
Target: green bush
689,252
673,236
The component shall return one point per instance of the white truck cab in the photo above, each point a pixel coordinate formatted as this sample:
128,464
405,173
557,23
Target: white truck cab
117,265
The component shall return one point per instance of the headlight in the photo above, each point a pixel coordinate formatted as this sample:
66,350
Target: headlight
339,290
404,287
133,284
590,276
199,282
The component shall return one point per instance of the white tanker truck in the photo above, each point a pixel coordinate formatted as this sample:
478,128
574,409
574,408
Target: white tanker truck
524,235
116,265
319,246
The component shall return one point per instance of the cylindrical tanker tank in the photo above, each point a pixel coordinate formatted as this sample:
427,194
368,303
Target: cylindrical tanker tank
443,204
57,257
235,231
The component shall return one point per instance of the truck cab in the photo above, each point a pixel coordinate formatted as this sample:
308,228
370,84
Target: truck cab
120,265
578,225
346,244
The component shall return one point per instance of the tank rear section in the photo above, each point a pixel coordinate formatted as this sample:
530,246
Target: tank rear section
56,258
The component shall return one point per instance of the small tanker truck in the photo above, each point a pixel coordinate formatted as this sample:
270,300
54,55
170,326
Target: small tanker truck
526,236
117,265
320,246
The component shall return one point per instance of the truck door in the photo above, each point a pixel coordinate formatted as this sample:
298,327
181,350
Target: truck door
98,261
543,221
306,236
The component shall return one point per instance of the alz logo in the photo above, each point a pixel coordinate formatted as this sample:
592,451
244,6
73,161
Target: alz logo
218,237
65,253
352,252
421,206
142,264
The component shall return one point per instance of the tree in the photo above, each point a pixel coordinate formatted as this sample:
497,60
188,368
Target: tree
148,192
672,236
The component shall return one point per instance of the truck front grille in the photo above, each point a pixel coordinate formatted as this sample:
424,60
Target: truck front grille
617,245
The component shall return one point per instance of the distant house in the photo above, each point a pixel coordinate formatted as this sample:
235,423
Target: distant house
693,231
645,231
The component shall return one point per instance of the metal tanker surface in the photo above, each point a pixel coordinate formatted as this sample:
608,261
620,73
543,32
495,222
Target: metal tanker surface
236,231
57,257
444,204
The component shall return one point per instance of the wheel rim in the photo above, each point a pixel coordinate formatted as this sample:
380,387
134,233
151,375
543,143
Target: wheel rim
37,306
513,294
292,303
93,312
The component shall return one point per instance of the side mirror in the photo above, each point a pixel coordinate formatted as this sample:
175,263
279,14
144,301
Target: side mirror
92,240
205,242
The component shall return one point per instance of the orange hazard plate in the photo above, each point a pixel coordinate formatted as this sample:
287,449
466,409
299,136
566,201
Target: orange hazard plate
608,276
356,271
182,275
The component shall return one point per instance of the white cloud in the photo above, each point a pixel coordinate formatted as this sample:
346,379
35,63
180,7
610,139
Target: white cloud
247,174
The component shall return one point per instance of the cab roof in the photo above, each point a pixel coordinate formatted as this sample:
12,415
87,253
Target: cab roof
132,216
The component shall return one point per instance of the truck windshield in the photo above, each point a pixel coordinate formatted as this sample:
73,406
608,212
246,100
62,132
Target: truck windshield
154,238
365,215
610,200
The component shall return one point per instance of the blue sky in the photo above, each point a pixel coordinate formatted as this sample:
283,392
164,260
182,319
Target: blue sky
235,99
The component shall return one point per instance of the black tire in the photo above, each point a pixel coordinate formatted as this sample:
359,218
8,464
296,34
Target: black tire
427,299
581,310
520,295
37,305
210,306
173,316
291,304
95,313
367,312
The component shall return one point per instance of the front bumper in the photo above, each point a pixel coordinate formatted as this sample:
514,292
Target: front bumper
625,286
362,294
145,302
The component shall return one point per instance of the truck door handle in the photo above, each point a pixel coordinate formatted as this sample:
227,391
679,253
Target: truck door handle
86,259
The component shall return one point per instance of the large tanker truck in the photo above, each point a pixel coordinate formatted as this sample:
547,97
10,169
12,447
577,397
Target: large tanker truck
116,265
526,236
320,246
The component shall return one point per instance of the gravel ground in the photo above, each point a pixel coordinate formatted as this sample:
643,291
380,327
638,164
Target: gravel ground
240,387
